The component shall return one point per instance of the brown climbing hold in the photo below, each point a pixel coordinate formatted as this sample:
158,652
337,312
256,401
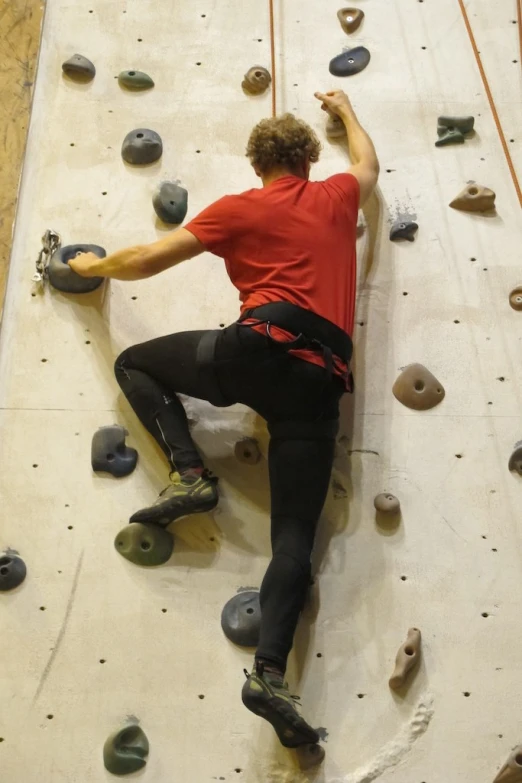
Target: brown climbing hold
387,503
335,127
511,772
310,755
350,19
515,298
247,450
257,80
515,461
417,388
407,657
474,198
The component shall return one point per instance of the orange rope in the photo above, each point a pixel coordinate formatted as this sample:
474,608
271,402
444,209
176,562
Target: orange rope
490,98
272,54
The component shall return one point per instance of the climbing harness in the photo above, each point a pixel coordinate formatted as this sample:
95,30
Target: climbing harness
51,241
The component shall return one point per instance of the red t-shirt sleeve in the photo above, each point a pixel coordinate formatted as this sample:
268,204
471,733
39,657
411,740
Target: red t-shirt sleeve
217,225
345,188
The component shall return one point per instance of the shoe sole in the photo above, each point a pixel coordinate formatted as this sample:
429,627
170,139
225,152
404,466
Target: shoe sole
161,515
260,706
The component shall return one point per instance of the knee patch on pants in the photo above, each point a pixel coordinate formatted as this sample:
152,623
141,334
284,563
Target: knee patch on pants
326,429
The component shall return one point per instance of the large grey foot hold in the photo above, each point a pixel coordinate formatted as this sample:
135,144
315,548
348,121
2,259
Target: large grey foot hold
350,19
417,388
463,124
135,80
170,202
12,572
515,298
474,198
247,450
64,278
256,80
141,146
511,772
387,503
145,545
79,67
404,229
350,62
310,755
335,127
126,751
515,461
109,453
407,657
241,619
449,136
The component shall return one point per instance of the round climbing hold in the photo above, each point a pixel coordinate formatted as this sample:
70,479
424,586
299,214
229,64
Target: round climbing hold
126,750
64,278
417,388
404,229
515,298
145,545
141,146
387,503
256,80
12,571
515,461
135,80
241,619
350,19
350,62
247,451
79,68
170,202
110,454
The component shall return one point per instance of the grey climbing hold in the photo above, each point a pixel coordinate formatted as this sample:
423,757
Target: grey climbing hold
387,503
135,80
109,453
511,771
12,571
141,146
241,619
309,755
463,124
449,136
145,545
170,202
79,67
256,80
350,62
404,229
64,278
247,450
515,461
126,750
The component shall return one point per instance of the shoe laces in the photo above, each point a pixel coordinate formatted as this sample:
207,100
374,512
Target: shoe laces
293,696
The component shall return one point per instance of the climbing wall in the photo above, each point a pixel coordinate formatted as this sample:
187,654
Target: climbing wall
91,641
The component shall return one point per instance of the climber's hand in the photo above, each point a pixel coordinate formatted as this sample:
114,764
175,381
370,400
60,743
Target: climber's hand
334,101
85,264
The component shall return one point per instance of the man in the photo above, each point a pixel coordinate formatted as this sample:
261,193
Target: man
289,247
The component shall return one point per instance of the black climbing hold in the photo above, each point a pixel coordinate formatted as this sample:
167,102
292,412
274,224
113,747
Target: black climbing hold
449,136
463,124
404,229
135,80
12,571
145,545
351,62
126,750
141,146
109,453
65,279
241,619
170,202
515,461
79,67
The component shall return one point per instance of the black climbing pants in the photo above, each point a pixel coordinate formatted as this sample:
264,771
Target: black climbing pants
295,397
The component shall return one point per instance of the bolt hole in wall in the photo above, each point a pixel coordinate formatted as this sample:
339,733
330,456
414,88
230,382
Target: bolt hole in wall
467,694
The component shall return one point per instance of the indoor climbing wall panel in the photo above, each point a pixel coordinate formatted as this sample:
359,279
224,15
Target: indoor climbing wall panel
92,640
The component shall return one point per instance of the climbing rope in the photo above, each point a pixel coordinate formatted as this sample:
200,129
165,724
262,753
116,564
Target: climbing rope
272,55
491,100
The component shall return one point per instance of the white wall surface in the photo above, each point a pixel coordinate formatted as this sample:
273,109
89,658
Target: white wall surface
458,542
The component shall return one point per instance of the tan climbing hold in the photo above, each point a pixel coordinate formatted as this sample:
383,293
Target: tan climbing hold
511,772
407,657
310,755
257,80
417,388
335,127
247,450
350,19
515,298
474,198
387,503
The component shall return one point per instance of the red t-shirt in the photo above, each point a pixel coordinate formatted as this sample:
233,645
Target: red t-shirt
292,241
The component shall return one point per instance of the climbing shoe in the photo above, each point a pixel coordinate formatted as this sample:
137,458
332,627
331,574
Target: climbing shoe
182,497
266,694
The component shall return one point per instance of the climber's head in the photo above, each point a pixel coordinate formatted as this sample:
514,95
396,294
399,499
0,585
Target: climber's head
282,145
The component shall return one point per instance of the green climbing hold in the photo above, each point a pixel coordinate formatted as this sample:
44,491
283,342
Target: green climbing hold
463,124
449,136
145,545
135,80
126,750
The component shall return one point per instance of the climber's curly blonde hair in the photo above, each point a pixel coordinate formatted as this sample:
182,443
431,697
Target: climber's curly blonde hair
282,143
